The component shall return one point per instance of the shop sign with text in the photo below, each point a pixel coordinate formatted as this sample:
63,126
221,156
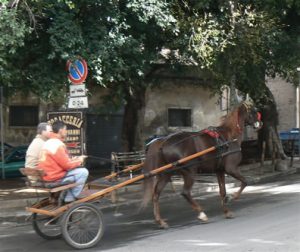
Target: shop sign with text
74,122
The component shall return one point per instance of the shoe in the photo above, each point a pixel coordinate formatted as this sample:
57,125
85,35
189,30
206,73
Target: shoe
86,193
69,201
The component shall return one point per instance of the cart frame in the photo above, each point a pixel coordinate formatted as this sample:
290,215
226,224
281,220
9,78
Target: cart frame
46,213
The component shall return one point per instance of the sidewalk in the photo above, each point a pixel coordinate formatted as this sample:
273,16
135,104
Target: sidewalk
14,196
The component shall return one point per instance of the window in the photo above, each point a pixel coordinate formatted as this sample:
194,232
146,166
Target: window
179,117
23,116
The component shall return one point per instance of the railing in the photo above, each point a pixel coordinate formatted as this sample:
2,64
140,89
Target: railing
120,160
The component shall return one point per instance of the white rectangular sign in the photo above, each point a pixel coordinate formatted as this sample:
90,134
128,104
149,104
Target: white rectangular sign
78,102
77,90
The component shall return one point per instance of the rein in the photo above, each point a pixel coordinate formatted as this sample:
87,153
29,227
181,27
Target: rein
102,159
219,155
247,105
196,134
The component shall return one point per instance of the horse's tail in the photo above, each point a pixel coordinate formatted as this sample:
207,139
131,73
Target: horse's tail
148,191
151,162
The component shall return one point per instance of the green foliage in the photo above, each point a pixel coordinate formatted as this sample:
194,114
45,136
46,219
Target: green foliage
243,40
13,31
119,40
148,10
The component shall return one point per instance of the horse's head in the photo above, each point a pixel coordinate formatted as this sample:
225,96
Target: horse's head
253,117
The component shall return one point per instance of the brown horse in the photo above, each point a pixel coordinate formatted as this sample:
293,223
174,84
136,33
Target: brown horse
179,145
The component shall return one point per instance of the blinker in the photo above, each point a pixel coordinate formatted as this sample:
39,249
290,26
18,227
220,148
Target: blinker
259,116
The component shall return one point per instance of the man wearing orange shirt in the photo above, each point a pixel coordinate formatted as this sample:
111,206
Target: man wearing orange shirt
57,164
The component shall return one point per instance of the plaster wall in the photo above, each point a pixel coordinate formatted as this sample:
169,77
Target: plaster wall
285,97
204,107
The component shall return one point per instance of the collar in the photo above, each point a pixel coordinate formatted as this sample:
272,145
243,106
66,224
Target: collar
41,137
56,136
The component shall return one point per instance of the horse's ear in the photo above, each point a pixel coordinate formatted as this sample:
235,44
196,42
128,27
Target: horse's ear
248,103
249,100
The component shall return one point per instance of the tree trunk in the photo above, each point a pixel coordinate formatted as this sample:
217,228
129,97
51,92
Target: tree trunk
233,100
269,132
133,120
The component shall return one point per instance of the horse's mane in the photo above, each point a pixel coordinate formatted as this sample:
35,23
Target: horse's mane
231,120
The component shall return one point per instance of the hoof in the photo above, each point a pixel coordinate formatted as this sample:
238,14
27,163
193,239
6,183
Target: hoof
163,225
229,215
202,216
228,199
236,196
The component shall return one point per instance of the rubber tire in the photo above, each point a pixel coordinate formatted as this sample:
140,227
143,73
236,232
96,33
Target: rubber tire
42,234
66,220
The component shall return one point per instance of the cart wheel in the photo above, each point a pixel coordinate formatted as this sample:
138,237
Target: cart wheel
82,226
44,228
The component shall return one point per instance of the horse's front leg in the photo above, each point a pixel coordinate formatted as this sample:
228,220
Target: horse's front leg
160,184
235,173
222,189
232,169
187,187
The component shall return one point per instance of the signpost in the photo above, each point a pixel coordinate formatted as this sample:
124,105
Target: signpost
77,73
2,133
78,102
77,90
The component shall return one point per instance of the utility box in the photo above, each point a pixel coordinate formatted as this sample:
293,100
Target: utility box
290,141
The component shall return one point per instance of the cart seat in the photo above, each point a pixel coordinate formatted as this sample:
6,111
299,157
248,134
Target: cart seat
35,180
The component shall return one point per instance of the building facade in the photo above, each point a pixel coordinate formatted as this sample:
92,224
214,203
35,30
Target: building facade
178,103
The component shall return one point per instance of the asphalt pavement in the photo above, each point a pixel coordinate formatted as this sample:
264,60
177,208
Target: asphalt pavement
15,196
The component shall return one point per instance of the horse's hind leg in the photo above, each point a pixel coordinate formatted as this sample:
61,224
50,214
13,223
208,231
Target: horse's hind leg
160,185
187,187
222,188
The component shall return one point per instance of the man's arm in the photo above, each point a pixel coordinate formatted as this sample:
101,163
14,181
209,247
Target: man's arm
62,158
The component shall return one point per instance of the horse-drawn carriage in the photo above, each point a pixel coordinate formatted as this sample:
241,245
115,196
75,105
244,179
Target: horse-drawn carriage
81,222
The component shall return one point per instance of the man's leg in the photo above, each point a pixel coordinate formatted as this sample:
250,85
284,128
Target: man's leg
79,176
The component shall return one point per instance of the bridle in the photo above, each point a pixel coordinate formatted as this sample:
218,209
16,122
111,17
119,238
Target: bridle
248,105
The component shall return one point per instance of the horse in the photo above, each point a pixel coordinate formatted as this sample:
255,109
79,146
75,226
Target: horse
179,145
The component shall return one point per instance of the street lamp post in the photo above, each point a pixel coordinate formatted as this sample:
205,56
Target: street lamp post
2,133
298,109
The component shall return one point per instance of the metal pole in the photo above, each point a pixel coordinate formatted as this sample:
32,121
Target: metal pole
298,110
2,133
297,107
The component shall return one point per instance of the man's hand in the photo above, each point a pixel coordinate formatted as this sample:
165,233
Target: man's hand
82,158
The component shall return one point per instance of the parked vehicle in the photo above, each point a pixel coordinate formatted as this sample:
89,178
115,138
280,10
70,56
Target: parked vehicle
14,159
7,147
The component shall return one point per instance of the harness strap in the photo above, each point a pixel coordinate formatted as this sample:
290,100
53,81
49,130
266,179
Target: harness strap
214,132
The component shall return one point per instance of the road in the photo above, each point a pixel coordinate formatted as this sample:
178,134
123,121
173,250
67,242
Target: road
267,218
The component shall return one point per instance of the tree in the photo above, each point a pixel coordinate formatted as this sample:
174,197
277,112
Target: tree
237,41
119,39
241,42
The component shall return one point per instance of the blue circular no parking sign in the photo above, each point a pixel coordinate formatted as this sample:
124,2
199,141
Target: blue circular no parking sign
77,71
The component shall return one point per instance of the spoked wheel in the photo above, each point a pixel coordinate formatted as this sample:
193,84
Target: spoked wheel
82,226
46,227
